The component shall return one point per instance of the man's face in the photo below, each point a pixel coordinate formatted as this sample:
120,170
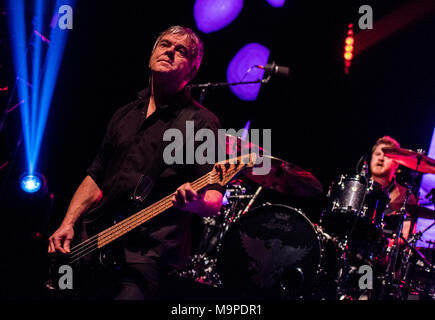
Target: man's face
380,165
171,58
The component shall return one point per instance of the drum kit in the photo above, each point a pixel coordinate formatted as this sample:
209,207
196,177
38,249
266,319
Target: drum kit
274,251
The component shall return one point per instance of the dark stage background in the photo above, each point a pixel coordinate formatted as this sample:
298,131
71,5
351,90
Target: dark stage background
321,119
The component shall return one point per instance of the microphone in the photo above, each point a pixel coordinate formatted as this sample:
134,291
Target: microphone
275,70
364,169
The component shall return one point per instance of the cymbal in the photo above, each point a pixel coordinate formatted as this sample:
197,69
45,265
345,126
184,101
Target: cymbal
420,212
410,159
286,178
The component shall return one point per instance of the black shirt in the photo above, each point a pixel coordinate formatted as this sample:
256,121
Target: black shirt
132,151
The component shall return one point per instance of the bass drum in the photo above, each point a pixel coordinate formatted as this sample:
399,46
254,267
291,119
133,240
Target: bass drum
271,252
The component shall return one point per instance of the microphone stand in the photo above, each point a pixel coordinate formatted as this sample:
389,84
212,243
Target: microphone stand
205,86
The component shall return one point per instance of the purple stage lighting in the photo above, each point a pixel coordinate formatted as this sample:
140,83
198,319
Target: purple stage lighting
427,183
213,15
276,3
242,68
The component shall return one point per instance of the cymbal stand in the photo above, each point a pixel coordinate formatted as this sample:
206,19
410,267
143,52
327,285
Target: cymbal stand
343,270
393,252
248,206
413,250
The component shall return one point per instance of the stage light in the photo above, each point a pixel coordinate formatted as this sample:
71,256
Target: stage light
242,68
17,30
276,3
348,48
213,15
53,60
246,130
36,65
30,183
35,104
349,41
427,183
348,55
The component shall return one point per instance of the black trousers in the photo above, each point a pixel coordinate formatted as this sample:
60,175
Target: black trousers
131,281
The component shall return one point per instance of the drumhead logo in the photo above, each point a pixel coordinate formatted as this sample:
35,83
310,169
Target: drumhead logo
204,147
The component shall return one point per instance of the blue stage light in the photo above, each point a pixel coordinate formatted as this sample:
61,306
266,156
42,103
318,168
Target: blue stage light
36,63
17,30
30,183
53,60
276,3
35,104
242,68
427,183
213,15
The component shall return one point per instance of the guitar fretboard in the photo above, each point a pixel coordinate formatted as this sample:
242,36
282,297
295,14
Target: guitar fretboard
116,231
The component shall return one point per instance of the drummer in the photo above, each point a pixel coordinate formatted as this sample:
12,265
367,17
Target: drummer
383,171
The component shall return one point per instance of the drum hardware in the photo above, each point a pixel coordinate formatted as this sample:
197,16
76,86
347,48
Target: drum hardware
248,206
343,270
232,217
388,279
202,269
355,204
417,161
202,266
412,250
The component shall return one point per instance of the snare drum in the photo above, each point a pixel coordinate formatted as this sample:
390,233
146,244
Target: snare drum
271,252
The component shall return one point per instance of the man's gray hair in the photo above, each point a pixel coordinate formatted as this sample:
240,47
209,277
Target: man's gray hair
196,45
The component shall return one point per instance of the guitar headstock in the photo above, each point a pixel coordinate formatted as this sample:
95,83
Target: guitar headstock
224,171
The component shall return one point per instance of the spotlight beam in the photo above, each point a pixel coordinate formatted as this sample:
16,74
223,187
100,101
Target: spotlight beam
17,27
53,60
34,105
36,66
